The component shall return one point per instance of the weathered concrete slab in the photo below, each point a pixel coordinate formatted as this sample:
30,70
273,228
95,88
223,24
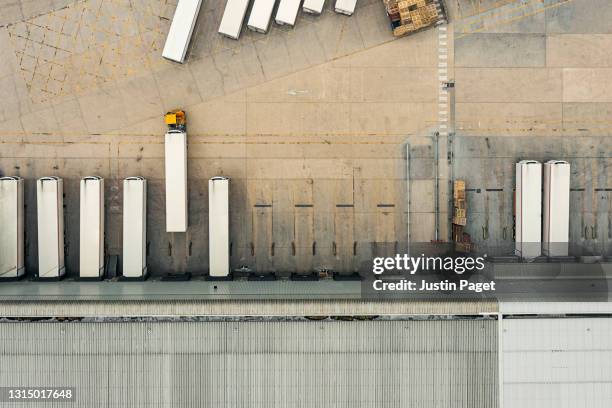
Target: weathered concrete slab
580,17
589,119
514,119
381,84
502,50
177,87
8,60
587,85
103,110
494,16
579,50
508,85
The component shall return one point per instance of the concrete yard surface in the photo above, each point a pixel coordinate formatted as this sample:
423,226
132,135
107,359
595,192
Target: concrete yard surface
338,138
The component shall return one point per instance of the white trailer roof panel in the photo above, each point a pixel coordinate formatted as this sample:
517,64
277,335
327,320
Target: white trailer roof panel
218,226
11,230
50,209
555,237
287,12
181,29
176,181
91,228
528,209
233,17
134,227
261,14
345,6
313,6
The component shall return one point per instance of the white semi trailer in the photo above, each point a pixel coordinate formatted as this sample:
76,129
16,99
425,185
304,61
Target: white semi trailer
134,228
12,264
50,218
555,237
181,30
345,7
218,226
528,211
313,6
91,228
287,12
233,17
176,180
261,14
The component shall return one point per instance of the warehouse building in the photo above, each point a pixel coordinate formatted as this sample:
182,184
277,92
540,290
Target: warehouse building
258,150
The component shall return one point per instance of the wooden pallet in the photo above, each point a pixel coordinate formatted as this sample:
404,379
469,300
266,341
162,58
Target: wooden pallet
414,15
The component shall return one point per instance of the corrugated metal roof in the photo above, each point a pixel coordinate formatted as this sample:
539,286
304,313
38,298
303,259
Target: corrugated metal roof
552,363
441,363
346,307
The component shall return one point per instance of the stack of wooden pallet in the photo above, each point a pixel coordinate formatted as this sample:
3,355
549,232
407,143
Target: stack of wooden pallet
408,16
463,242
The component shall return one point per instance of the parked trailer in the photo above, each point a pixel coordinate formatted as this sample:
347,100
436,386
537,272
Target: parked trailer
313,6
528,210
345,7
287,12
261,14
91,228
50,217
181,29
176,180
233,17
555,240
134,227
11,230
218,226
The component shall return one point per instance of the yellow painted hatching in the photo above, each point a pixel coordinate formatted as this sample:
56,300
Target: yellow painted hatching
87,44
